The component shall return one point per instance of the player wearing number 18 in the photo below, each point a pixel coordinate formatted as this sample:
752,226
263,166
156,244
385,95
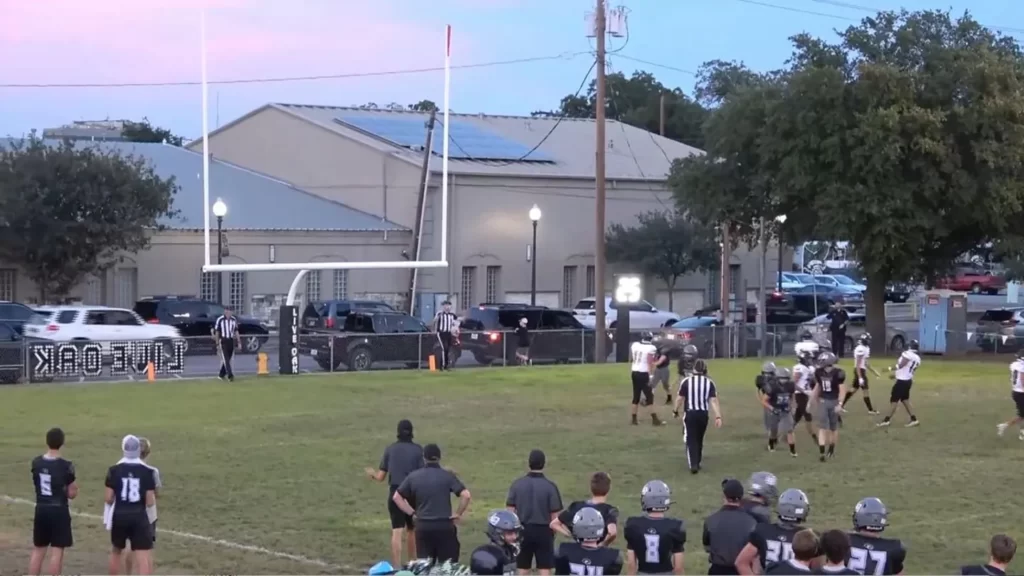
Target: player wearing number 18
771,544
654,542
586,556
869,552
54,480
130,489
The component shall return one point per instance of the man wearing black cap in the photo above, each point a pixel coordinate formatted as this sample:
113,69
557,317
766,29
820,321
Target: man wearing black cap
400,459
537,502
727,531
445,325
426,495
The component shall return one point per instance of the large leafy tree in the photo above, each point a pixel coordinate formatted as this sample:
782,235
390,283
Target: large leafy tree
904,136
67,211
636,100
666,245
145,132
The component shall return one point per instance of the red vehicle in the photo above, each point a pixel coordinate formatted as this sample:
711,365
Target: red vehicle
973,279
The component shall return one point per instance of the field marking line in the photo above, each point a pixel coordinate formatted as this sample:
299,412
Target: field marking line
215,541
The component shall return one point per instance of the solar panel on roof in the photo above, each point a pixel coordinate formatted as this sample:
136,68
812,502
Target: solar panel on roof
466,141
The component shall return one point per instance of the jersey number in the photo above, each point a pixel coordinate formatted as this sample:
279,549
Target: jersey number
585,570
913,366
639,358
779,552
130,490
45,485
652,555
826,385
861,560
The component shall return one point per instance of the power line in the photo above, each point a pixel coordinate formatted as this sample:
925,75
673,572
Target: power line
797,10
862,8
282,79
655,64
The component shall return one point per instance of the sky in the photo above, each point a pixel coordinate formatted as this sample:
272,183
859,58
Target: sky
55,42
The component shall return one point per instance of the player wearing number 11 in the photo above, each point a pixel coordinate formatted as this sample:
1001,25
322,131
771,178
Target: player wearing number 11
131,488
654,542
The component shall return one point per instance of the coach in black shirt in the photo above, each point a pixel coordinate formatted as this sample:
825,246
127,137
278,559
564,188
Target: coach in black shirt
1001,551
838,318
398,461
426,494
445,324
727,531
537,501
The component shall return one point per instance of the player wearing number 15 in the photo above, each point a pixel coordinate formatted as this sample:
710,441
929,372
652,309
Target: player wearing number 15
654,542
869,552
54,479
131,488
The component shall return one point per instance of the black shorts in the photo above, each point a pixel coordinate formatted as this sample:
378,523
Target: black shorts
437,540
857,385
134,528
901,391
399,519
642,387
801,412
1018,399
52,527
536,542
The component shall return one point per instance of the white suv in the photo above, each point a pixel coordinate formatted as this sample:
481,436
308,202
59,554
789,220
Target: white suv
642,316
99,324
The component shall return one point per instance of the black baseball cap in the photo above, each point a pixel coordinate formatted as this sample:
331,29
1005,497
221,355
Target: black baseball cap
537,460
732,489
432,452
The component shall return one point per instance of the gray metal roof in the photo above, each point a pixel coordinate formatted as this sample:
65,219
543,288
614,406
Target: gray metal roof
632,153
255,201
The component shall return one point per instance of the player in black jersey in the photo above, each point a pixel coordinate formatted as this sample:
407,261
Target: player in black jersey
498,556
600,486
762,490
869,552
805,551
131,488
773,543
586,555
777,399
762,382
687,360
829,387
654,543
835,548
55,484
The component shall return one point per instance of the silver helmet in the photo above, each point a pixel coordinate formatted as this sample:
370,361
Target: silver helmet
870,514
656,496
793,506
768,368
763,484
588,525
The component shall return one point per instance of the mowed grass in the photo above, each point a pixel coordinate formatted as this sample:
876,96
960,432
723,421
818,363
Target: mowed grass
278,463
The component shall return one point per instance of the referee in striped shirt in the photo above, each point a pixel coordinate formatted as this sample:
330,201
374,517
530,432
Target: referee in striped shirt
445,324
225,333
697,394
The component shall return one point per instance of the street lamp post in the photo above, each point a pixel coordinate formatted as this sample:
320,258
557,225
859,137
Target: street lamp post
779,220
534,218
220,210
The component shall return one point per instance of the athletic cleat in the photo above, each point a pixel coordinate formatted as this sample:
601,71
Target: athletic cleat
883,424
912,423
873,412
1021,436
1001,429
822,459
793,454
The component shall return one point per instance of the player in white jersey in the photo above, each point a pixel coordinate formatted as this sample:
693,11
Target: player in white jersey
807,345
861,365
643,356
803,378
1017,386
904,376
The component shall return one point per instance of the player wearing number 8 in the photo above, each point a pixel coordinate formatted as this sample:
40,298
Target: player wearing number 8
869,552
130,489
771,544
654,542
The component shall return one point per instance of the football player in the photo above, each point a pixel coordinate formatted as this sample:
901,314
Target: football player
807,345
687,359
586,555
762,490
903,371
773,543
662,371
861,354
762,383
803,379
869,552
778,401
55,484
642,357
805,552
829,387
1017,387
654,542
499,555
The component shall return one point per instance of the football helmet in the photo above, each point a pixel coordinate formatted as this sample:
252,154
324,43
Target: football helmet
503,529
826,360
656,496
865,339
914,345
588,525
768,368
764,485
870,514
646,337
793,506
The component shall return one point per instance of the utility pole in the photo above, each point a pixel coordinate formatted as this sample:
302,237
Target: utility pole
661,114
599,219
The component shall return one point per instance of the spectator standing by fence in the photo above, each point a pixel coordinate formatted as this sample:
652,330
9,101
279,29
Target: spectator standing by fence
838,319
536,501
523,343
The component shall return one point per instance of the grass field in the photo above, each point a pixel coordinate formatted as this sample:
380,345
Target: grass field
278,463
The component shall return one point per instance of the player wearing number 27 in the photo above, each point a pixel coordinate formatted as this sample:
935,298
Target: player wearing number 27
654,542
131,489
869,552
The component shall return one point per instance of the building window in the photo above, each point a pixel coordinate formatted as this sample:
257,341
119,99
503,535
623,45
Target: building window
208,286
236,292
93,291
569,286
591,283
126,287
493,283
312,286
468,285
341,284
7,283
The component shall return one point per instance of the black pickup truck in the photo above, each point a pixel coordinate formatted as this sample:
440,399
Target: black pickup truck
373,339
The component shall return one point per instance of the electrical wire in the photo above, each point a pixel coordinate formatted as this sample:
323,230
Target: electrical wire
797,10
283,79
862,8
657,65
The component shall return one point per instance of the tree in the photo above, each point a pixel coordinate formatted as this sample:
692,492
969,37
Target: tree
68,211
146,132
423,106
636,101
904,137
665,245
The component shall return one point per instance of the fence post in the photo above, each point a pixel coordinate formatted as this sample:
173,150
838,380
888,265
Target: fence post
583,346
330,368
419,351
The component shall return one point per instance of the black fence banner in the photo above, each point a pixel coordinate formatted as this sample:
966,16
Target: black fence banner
49,360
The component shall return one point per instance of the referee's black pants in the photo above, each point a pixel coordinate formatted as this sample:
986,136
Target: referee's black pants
227,350
695,425
445,339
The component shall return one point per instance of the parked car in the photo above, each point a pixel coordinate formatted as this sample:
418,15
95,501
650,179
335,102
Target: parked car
329,314
789,281
714,310
898,292
15,315
974,279
807,279
556,335
642,315
100,324
845,281
846,297
795,308
11,355
895,339
998,323
194,319
372,337
701,331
